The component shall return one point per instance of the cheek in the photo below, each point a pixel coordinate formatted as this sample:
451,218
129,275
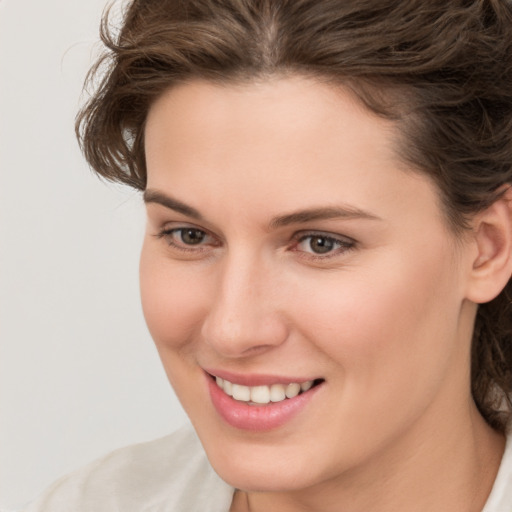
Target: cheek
171,300
388,322
174,301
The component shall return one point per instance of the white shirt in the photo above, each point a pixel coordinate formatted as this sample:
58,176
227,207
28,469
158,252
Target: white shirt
500,499
172,474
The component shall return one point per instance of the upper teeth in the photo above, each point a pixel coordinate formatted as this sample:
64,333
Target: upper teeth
262,394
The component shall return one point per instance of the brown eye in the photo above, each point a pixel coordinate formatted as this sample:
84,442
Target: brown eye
321,244
187,238
190,236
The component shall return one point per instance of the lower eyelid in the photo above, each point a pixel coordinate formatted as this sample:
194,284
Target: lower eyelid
169,234
341,246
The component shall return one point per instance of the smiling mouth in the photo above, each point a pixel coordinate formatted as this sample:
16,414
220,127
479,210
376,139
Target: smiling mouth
261,395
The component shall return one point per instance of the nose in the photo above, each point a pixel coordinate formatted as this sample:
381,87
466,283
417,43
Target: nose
245,315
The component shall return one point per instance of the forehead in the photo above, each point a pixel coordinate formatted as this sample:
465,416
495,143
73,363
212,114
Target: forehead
280,117
280,143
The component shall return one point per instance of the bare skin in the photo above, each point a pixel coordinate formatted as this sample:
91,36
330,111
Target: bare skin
315,253
423,483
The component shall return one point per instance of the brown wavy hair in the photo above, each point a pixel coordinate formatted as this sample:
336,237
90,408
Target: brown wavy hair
442,70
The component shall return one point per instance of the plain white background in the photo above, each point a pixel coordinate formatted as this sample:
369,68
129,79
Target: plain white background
79,375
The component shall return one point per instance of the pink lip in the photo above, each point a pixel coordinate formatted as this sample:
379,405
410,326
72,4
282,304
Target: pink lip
254,380
255,417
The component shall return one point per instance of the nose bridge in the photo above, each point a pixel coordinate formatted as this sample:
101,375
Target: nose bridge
243,314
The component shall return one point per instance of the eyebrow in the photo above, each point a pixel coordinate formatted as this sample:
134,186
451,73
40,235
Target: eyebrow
326,213
154,196
298,217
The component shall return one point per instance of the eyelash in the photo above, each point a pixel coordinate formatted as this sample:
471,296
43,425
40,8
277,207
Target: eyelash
167,234
342,244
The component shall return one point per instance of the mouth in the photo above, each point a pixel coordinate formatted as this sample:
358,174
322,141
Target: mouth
267,404
264,394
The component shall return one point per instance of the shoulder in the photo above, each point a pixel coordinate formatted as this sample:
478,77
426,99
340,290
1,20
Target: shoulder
500,499
171,474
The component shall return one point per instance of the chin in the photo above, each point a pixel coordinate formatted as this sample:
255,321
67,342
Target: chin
263,466
264,477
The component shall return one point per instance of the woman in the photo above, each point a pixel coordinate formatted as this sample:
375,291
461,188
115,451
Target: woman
327,256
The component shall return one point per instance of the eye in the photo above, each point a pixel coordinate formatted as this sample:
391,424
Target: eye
187,238
320,244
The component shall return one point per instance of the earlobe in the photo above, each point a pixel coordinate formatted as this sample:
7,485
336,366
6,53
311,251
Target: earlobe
492,265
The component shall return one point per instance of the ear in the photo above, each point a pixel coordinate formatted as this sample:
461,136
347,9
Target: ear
492,259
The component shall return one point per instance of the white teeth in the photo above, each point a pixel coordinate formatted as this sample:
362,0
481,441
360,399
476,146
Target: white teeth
241,392
263,394
277,393
260,394
292,390
227,387
306,385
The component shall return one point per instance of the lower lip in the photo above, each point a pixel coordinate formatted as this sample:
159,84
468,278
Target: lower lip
257,417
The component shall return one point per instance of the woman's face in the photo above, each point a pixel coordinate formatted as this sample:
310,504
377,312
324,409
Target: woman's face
286,244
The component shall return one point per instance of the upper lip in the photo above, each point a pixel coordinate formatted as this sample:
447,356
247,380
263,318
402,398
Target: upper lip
248,379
